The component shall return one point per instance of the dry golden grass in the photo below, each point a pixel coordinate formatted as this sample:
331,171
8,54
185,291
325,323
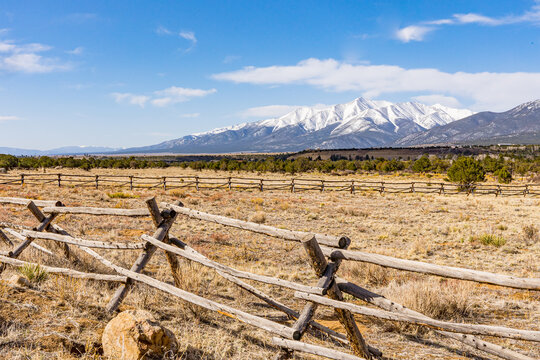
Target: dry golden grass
62,318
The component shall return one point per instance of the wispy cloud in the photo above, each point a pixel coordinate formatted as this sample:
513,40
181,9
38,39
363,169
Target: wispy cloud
413,33
161,98
485,90
417,32
190,116
268,111
77,51
25,58
174,94
130,98
8,118
184,34
231,58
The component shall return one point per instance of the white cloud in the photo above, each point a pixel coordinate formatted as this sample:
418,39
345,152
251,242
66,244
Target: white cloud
174,94
190,36
433,99
163,31
418,32
231,58
8,118
77,51
169,96
190,116
25,58
413,33
485,90
268,111
130,98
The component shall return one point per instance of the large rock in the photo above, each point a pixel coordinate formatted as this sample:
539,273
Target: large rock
134,335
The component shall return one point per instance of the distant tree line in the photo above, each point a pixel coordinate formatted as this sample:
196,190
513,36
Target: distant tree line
501,167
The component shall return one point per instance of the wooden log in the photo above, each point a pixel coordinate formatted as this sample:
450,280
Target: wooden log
81,242
333,241
383,303
97,211
319,264
21,201
39,215
32,244
64,271
42,226
253,320
432,269
313,349
490,330
157,219
5,239
142,260
236,273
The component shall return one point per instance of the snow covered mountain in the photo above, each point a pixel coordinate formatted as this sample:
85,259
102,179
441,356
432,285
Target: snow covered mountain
520,125
359,123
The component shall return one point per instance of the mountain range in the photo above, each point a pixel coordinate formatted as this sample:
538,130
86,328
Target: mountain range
360,123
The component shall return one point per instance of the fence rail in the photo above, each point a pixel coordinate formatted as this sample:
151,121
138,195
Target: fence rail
244,183
325,261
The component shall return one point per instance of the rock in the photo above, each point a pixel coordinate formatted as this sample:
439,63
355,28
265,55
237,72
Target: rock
18,280
3,171
134,335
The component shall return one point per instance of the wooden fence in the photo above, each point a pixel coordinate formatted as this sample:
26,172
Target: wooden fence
245,183
324,252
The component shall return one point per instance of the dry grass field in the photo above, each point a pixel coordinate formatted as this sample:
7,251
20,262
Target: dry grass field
62,318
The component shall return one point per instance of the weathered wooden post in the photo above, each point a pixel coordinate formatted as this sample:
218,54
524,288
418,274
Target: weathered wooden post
352,186
165,183
197,183
229,184
59,180
322,185
97,181
526,191
412,187
292,185
131,183
441,190
382,187
22,179
261,185
326,272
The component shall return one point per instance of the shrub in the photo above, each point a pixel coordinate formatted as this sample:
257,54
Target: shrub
34,273
259,217
530,232
503,175
121,195
422,165
489,239
466,171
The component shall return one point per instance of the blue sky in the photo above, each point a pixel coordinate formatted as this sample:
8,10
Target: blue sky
133,73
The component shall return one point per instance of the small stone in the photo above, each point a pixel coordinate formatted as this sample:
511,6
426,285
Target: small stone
134,335
18,280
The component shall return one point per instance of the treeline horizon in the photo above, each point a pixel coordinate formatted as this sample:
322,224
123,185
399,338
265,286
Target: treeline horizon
500,166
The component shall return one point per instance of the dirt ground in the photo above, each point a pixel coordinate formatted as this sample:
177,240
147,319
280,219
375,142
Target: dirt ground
63,318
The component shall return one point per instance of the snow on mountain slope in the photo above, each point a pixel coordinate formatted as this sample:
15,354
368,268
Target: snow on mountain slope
359,123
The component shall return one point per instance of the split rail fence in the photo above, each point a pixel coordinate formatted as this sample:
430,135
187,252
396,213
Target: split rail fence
324,252
244,183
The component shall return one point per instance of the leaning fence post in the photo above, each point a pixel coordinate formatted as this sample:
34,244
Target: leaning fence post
59,180
197,183
160,234
326,272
